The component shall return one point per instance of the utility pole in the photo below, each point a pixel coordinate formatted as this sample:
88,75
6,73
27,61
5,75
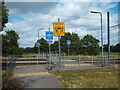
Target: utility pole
38,49
108,25
49,53
38,46
59,47
101,34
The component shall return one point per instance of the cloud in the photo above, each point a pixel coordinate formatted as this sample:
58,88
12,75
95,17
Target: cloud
76,16
17,8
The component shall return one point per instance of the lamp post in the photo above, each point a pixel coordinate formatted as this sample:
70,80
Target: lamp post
101,29
39,45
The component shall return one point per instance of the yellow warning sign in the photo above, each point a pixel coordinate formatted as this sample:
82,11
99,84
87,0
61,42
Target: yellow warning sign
59,29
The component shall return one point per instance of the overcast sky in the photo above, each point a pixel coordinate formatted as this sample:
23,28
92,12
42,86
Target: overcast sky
27,17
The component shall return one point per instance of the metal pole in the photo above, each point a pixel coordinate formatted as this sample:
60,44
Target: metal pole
102,38
39,54
38,48
59,46
108,34
49,53
68,49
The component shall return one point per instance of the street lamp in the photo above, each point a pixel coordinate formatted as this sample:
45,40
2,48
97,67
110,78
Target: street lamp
39,45
101,29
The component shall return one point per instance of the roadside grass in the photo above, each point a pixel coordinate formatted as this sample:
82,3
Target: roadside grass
100,78
9,82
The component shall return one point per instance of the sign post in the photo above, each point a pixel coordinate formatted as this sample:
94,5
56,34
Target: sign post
49,36
59,30
68,44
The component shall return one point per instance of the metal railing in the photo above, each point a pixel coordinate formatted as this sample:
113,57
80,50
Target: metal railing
80,62
10,65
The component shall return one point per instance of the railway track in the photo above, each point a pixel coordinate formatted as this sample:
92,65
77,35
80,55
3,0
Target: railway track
21,62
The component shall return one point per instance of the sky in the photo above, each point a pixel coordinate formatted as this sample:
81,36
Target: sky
27,17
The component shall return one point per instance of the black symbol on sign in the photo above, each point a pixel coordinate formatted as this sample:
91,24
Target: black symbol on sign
59,28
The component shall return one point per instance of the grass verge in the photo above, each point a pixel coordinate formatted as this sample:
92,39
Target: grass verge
100,78
9,82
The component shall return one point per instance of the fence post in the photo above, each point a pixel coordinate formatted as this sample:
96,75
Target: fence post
7,64
114,61
79,61
92,62
14,62
46,60
98,60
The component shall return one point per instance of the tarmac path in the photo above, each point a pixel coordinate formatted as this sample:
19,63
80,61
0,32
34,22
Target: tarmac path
36,77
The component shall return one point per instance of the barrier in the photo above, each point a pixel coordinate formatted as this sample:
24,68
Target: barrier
79,62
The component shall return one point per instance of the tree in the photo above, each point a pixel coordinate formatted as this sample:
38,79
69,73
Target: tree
43,47
116,48
54,47
28,50
10,44
113,48
105,48
74,47
4,14
90,45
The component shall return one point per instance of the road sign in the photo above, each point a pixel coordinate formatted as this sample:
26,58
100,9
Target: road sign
68,42
38,44
49,35
59,29
49,41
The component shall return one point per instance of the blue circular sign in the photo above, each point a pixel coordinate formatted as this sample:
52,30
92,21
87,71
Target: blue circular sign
68,42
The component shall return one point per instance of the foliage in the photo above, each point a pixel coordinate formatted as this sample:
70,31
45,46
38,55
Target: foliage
64,48
43,45
4,14
10,44
90,45
54,47
28,50
113,48
116,48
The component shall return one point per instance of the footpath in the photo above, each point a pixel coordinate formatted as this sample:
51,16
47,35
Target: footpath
36,77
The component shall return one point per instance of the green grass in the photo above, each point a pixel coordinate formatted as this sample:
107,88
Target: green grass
100,78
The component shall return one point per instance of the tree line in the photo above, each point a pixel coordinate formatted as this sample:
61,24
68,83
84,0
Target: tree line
89,45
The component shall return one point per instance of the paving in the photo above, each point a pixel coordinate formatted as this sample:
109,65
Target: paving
36,77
